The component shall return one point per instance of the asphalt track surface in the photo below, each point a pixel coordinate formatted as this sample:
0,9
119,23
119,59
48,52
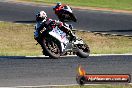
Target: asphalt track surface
94,21
36,71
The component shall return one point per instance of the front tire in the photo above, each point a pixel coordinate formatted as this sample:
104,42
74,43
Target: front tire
51,48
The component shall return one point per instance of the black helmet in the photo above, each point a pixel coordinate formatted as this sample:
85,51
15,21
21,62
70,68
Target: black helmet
58,4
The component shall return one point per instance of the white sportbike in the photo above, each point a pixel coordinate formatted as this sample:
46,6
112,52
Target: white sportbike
56,43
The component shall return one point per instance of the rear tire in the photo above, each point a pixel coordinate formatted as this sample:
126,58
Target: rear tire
83,51
73,17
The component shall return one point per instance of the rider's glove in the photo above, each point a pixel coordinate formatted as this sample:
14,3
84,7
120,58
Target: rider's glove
53,23
70,26
60,24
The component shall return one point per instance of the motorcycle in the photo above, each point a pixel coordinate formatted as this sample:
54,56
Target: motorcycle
65,14
56,43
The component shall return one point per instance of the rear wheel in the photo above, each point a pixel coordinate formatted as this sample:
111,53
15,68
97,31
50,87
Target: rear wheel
73,17
83,50
51,48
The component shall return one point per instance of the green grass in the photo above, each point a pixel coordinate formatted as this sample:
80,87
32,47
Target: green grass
18,39
113,4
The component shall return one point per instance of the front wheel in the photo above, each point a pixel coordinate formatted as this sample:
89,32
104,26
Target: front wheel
51,48
82,50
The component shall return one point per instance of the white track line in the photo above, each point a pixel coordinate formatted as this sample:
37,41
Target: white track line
89,55
109,54
43,86
66,85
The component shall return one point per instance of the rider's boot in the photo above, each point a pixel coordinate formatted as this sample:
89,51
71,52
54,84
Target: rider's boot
68,30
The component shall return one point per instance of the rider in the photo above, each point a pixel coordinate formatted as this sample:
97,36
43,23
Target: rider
42,21
58,7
